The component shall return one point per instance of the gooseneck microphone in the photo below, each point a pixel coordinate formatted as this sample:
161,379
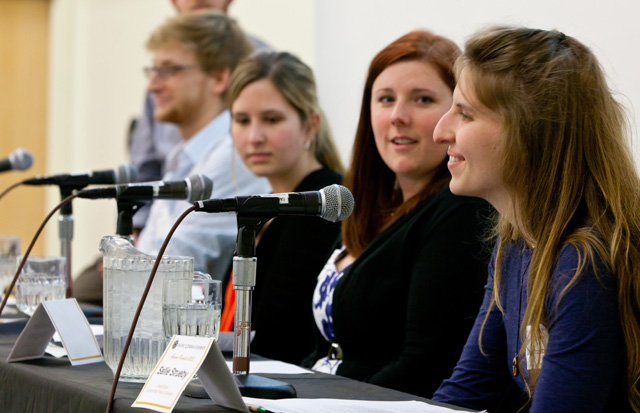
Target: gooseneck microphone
333,203
19,160
121,175
193,188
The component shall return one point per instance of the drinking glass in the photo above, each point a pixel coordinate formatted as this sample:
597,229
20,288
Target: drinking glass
191,307
42,279
9,250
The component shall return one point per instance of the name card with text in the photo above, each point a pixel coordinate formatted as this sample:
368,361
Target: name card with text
184,356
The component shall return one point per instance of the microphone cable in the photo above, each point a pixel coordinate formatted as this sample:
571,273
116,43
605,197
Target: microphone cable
28,251
152,275
6,191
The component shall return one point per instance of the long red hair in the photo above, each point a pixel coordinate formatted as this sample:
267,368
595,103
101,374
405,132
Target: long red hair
377,200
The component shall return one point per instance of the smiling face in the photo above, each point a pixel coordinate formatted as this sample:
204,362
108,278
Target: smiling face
473,135
407,100
270,136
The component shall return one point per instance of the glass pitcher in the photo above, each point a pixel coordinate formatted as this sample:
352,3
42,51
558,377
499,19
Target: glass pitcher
126,272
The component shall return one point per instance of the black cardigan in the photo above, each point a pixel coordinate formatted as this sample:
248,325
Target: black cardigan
403,310
291,252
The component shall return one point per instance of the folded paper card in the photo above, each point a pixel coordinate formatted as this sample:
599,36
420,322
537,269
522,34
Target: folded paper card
65,317
184,356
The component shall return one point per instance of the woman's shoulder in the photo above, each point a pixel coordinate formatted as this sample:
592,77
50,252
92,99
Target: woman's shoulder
581,269
444,206
318,179
448,198
314,230
574,255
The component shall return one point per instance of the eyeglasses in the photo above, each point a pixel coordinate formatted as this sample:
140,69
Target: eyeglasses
166,71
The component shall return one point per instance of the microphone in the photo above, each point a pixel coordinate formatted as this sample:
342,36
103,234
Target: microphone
120,175
333,203
20,160
193,188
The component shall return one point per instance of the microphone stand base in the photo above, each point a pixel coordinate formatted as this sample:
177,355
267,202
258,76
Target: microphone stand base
250,385
264,388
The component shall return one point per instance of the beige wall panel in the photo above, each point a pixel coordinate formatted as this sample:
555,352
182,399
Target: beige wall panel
23,97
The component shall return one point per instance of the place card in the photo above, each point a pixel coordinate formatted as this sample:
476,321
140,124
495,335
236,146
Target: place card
219,382
65,317
184,356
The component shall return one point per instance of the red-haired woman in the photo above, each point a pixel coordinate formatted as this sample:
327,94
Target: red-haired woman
397,300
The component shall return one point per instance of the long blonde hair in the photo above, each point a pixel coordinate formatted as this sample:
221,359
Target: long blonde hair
295,81
568,167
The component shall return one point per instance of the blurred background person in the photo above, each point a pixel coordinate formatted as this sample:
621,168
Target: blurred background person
281,134
395,303
152,139
535,130
193,56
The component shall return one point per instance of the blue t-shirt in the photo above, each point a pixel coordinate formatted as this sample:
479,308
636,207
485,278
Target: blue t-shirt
583,367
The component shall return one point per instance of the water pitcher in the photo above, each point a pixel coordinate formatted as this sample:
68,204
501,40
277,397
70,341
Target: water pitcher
126,272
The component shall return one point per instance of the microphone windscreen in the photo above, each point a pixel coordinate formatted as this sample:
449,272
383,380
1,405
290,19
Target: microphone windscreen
125,174
200,187
21,159
338,203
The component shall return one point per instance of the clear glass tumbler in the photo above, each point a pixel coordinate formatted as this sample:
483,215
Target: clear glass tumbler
42,279
191,308
9,250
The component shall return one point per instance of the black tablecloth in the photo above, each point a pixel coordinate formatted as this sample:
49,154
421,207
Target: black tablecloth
53,385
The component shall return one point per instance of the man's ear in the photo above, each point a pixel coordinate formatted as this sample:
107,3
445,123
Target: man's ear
220,81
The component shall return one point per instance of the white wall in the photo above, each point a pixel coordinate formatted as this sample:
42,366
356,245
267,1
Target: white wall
95,88
283,24
97,52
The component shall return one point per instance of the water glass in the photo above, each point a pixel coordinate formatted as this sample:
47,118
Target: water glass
42,279
9,250
191,307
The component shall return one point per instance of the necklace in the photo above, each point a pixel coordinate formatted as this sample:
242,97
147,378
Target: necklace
515,365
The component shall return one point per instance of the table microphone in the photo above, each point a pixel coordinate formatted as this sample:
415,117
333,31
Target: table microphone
19,160
193,188
333,203
121,175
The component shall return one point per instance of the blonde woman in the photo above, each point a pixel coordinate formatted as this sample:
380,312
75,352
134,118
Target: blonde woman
279,131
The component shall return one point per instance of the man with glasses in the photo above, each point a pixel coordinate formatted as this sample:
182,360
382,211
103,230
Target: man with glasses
152,140
193,57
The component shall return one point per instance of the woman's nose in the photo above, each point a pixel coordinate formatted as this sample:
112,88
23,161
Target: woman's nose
256,134
443,133
400,115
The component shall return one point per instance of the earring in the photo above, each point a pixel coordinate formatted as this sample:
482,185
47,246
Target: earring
307,145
